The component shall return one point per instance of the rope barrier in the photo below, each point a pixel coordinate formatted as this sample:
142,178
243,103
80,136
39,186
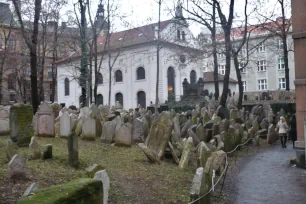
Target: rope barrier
223,173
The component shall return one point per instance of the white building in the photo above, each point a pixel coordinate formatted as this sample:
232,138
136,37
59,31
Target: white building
133,54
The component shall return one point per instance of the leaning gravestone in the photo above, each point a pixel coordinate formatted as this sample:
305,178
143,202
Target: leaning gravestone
16,167
21,129
65,125
203,153
4,120
103,177
160,134
186,153
45,121
88,129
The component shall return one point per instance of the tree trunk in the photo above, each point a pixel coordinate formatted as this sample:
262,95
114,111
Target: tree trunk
240,85
228,50
157,59
285,50
213,39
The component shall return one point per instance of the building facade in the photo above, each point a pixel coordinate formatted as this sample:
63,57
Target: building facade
131,80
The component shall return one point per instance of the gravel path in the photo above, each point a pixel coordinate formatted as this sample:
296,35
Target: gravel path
266,177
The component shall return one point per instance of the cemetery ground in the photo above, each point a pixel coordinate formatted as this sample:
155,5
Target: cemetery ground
133,178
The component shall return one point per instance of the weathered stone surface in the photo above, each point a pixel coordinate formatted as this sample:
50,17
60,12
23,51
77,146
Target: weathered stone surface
208,125
160,134
186,153
47,154
224,125
272,136
176,134
56,109
31,190
174,155
73,150
229,139
233,114
35,148
4,120
152,156
88,129
137,130
201,133
84,190
91,170
103,177
216,129
11,149
17,168
203,153
206,117
65,125
45,120
57,129
21,129
262,133
191,133
146,128
264,124
123,135
216,161
108,132
196,186
186,126
220,143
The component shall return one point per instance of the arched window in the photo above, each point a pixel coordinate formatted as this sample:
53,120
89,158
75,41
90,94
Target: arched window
183,36
67,89
11,81
118,76
141,73
171,84
100,78
141,99
178,34
119,98
99,99
193,77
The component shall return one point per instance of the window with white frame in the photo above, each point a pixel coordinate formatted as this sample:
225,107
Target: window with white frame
243,52
281,63
280,44
244,84
262,65
261,47
242,67
221,69
282,83
262,84
221,54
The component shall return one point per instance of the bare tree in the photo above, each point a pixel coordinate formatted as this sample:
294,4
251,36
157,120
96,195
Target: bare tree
32,45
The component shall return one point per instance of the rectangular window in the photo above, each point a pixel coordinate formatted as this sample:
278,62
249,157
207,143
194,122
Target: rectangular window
221,54
243,52
262,84
280,44
282,83
262,66
221,69
242,67
261,47
244,84
281,63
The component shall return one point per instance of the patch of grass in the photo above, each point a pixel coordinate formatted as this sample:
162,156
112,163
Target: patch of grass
133,178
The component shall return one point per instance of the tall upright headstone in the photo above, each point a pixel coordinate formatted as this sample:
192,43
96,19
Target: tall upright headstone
73,150
21,127
45,121
65,125
4,120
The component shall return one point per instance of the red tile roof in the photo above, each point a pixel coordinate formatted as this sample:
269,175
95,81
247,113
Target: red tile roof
209,77
125,38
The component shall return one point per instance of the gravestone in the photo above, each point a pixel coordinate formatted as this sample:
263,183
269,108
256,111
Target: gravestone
92,169
160,134
56,109
203,153
176,135
47,154
123,135
4,120
16,168
32,189
73,150
65,125
272,136
108,133
57,129
45,121
11,149
103,177
21,129
186,153
137,130
35,148
88,129
97,116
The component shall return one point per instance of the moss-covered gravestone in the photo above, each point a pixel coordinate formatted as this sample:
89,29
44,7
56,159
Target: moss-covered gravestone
73,150
84,190
21,129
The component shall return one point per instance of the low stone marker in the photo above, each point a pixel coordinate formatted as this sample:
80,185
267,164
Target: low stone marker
35,148
32,189
47,154
16,167
84,190
21,129
103,177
